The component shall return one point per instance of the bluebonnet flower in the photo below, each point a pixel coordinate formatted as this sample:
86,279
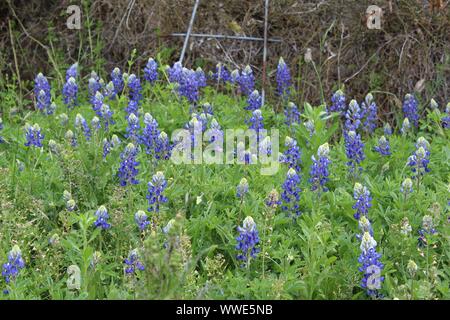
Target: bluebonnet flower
216,133
206,108
141,220
133,263
405,126
11,269
117,80
150,134
33,135
246,81
51,109
428,228
95,123
97,102
1,128
106,147
156,189
338,102
151,71
383,146
109,91
253,101
370,111
407,186
102,218
95,259
364,226
247,240
133,107
195,128
106,116
163,148
293,155
70,93
319,171
420,158
70,137
175,72
405,227
80,122
244,156
410,109
201,118
201,78
354,149
134,84
188,86
292,114
234,76
72,72
353,116
128,167
242,189
42,92
115,141
370,265
133,127
265,147
257,122
71,205
387,129
94,84
291,193
273,199
433,104
283,79
221,73
446,118
363,201
310,126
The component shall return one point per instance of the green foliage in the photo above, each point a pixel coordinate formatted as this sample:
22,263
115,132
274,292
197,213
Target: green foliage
312,257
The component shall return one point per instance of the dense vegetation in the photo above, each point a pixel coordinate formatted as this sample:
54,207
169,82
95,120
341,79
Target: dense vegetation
91,206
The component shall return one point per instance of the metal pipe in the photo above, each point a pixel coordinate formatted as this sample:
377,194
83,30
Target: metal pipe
266,18
191,23
221,36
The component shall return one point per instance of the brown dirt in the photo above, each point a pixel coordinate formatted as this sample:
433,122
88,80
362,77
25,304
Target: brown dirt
414,42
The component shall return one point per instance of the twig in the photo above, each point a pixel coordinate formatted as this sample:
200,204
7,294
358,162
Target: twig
317,6
37,41
368,60
339,54
15,61
129,6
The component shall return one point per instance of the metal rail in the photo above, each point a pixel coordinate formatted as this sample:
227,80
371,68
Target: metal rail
266,19
225,37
